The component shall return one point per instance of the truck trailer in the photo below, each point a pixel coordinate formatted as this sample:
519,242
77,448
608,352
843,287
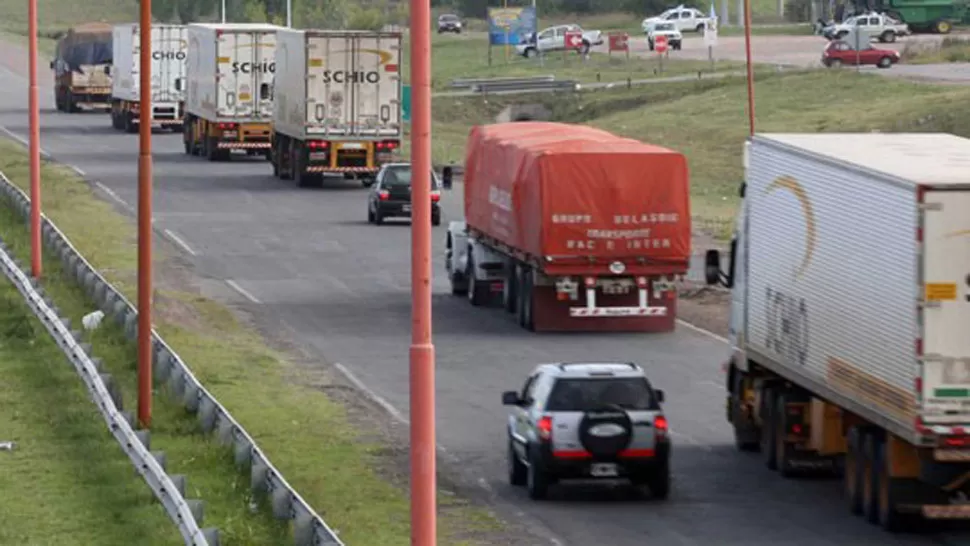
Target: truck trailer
169,54
229,99
82,68
850,277
337,103
577,229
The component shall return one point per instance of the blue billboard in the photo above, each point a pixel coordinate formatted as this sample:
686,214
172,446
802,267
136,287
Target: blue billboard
511,26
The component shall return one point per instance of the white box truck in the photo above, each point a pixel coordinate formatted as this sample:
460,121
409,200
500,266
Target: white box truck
336,103
850,280
229,99
169,53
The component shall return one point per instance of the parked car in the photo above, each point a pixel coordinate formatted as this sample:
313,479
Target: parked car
674,37
449,22
879,26
587,421
838,53
554,39
390,195
684,19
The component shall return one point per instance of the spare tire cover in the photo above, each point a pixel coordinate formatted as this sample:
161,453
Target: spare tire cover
606,431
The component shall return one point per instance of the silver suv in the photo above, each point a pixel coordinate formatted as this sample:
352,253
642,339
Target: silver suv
587,421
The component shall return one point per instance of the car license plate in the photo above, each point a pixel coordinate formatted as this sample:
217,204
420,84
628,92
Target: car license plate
602,470
406,208
351,146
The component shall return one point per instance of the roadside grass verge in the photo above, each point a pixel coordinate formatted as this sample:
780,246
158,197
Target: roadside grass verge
707,120
950,50
306,435
67,481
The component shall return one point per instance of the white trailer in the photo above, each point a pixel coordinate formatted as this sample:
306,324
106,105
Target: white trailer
229,99
337,103
169,53
850,279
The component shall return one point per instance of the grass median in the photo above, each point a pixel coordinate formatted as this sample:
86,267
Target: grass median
66,481
306,435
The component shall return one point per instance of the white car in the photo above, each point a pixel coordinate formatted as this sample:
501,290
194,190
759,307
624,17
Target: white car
554,39
879,26
683,18
674,37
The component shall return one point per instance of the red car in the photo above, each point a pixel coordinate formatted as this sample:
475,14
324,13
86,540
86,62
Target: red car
838,52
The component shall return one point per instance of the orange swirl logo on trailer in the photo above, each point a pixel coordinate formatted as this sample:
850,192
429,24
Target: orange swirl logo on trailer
798,191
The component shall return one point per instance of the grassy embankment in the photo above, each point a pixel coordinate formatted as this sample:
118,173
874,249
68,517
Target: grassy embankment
66,481
707,120
308,436
951,50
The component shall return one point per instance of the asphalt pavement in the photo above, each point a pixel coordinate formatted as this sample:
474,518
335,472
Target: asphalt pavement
305,262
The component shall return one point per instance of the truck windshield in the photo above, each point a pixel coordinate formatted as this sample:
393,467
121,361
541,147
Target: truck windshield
630,393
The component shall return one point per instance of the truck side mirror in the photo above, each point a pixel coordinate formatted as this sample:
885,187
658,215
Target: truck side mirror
661,397
52,65
712,266
446,177
511,398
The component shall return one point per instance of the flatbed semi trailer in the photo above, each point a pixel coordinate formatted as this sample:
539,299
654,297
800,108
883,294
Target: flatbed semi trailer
850,278
575,228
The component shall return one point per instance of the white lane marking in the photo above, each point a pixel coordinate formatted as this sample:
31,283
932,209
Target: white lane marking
78,170
245,293
114,196
378,399
180,242
22,140
700,330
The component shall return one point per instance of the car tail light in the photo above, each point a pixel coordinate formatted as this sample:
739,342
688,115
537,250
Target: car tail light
660,425
545,428
318,144
435,196
383,195
227,126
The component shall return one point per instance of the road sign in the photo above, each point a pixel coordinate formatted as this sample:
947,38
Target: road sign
619,41
406,103
660,44
574,39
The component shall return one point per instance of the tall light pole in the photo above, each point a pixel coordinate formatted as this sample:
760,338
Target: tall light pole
145,217
36,246
223,11
289,13
422,359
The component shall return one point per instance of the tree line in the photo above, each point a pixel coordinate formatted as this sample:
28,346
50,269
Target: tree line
330,14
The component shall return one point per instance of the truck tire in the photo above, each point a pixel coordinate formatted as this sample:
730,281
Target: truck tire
871,445
891,491
129,123
509,291
942,27
71,105
768,430
524,312
477,292
854,468
746,437
784,454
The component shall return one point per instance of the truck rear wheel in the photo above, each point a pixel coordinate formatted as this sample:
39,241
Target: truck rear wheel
129,123
509,291
525,300
888,498
871,444
477,292
783,448
854,469
746,436
768,430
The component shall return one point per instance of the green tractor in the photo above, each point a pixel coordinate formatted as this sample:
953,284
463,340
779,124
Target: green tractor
937,16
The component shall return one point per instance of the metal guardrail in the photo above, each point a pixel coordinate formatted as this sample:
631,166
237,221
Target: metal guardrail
554,85
308,527
466,83
184,513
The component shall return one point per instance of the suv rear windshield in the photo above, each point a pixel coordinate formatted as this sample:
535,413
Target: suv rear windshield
630,393
401,178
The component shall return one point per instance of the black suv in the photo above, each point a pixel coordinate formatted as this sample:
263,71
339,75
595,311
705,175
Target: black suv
391,194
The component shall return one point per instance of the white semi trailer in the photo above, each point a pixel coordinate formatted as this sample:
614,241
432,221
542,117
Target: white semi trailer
850,281
169,53
337,103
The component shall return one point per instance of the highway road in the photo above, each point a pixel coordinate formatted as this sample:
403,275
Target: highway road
306,264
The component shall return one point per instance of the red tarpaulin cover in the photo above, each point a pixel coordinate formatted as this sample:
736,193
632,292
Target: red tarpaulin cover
560,190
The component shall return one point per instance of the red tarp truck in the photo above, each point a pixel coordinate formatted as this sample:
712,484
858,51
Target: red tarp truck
577,228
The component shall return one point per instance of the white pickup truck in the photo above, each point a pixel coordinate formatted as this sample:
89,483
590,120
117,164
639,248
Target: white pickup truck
554,39
879,26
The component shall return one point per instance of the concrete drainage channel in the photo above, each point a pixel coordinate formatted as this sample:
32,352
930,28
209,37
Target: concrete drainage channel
265,480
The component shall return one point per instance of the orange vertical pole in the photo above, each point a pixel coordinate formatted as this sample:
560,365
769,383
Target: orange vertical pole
423,475
36,247
145,217
747,56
